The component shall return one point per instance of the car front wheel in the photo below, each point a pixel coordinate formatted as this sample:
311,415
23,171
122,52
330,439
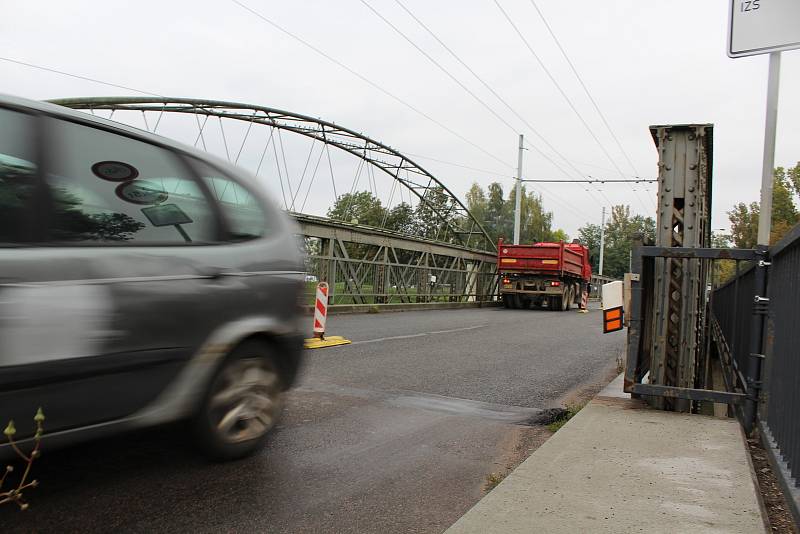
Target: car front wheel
242,403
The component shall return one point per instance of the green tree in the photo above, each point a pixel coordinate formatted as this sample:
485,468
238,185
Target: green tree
620,231
589,235
362,206
476,203
744,218
400,219
559,235
621,228
536,224
744,224
497,221
496,214
432,217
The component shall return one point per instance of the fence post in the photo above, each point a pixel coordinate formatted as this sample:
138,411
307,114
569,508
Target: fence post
756,352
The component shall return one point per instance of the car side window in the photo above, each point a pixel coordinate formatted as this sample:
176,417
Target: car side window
242,211
18,171
112,189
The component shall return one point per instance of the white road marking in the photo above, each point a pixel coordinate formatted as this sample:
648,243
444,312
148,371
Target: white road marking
421,334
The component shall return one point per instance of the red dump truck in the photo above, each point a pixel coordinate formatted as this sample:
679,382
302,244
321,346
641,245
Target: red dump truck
543,274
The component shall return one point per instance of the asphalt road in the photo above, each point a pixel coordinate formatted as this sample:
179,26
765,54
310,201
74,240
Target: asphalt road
394,433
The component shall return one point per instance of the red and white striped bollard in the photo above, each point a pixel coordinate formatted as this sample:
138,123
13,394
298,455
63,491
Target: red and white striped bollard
321,310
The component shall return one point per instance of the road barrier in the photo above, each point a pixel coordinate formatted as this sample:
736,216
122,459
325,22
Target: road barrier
321,310
584,302
319,340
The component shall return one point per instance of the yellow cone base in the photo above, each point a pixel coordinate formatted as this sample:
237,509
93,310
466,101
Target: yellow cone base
329,341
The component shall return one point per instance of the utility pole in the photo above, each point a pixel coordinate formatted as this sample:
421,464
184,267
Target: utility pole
518,198
602,239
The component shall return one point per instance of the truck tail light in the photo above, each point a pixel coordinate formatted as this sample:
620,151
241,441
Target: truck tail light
555,283
506,281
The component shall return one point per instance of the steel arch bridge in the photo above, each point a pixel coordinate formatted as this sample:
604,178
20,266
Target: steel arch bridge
459,225
363,265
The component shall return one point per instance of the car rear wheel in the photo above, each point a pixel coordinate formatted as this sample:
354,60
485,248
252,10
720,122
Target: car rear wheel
242,403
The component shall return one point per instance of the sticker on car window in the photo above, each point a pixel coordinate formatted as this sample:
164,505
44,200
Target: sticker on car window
166,215
114,171
142,192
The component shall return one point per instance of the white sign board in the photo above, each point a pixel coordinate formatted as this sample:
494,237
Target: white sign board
763,26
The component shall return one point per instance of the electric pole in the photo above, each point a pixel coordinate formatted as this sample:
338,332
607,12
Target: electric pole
518,198
602,239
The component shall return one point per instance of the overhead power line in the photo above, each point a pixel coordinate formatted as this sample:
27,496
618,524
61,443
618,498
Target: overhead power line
78,76
452,77
591,181
477,169
578,172
558,86
491,90
562,92
449,74
583,85
366,80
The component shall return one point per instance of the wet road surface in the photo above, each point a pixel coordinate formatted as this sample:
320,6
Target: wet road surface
394,433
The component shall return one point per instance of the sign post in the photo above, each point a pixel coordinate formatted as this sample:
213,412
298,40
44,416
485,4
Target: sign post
762,27
765,27
765,211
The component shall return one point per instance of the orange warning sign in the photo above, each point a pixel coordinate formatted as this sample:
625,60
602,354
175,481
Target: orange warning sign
612,319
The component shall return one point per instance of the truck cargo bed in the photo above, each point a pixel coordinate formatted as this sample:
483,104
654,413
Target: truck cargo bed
559,259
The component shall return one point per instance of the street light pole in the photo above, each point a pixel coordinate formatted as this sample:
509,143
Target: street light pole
518,198
602,239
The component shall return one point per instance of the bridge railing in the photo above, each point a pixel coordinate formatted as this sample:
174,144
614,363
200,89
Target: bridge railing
778,386
366,266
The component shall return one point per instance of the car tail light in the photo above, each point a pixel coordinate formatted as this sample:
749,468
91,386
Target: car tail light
555,283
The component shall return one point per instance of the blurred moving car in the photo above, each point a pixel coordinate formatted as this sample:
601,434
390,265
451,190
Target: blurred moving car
141,282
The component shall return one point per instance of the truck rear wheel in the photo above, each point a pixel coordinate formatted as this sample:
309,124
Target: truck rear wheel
568,299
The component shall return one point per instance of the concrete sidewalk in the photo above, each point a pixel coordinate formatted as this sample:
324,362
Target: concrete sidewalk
618,466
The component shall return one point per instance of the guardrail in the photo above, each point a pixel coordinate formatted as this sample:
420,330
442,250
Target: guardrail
369,266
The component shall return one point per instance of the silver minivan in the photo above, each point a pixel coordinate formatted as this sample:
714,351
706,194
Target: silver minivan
141,282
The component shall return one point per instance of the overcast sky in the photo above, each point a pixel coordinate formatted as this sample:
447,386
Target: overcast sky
643,62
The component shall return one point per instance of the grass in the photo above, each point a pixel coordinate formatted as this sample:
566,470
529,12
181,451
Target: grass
620,364
572,409
492,480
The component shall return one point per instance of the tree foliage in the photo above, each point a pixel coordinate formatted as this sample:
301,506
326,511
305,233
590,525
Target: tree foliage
496,214
620,231
363,207
744,217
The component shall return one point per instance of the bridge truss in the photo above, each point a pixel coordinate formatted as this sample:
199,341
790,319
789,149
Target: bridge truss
364,265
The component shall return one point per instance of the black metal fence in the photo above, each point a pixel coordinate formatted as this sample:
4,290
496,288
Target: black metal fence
733,307
780,407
